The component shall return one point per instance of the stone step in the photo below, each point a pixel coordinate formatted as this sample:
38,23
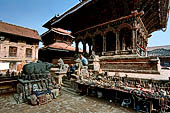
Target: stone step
65,79
69,90
66,85
67,82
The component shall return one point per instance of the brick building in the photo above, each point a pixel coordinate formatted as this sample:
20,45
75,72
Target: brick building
18,45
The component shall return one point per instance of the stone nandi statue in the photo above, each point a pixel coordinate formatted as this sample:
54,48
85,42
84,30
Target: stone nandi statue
36,69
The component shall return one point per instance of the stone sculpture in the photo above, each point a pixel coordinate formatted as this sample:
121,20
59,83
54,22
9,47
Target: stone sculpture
62,67
36,70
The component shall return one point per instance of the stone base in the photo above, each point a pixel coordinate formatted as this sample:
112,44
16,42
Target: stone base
130,63
94,64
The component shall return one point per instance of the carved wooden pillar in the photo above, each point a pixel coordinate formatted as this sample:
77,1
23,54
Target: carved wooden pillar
84,47
90,50
117,41
146,54
93,43
134,37
123,43
104,43
143,41
77,48
144,45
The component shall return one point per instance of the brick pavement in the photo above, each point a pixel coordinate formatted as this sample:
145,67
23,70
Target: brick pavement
66,103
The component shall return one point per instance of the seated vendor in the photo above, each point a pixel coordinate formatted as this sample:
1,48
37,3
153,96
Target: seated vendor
71,70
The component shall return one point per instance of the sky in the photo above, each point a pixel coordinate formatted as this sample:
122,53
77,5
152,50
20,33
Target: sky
34,13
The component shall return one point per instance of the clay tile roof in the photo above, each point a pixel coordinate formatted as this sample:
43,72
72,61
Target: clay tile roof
72,10
62,30
19,31
58,31
63,46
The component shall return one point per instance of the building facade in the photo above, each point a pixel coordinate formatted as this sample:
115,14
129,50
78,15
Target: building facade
18,45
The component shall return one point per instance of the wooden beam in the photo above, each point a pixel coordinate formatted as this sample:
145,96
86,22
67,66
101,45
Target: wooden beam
122,18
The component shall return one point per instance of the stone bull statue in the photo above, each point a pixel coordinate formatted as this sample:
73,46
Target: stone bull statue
38,68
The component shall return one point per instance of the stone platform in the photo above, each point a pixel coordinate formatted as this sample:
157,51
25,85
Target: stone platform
164,75
130,64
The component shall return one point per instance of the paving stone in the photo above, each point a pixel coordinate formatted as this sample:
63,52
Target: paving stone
66,103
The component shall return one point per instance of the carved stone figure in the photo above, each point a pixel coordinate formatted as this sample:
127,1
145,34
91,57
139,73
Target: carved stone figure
93,56
78,63
49,98
62,67
55,93
34,100
36,68
94,62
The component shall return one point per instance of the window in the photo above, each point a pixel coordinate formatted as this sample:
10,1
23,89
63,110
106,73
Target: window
12,51
28,52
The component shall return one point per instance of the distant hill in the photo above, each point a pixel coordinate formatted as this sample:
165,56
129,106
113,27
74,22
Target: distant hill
159,51
158,47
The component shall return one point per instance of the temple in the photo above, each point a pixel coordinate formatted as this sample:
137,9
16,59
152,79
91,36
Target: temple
117,31
57,44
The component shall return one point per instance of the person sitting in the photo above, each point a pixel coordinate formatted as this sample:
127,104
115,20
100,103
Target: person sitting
84,60
71,70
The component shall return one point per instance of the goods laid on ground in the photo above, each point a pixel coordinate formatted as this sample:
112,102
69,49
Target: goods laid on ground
133,92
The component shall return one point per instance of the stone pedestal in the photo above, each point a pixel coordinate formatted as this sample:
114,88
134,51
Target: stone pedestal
130,64
94,63
58,77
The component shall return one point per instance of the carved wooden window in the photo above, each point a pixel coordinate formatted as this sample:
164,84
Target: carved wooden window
28,52
12,51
